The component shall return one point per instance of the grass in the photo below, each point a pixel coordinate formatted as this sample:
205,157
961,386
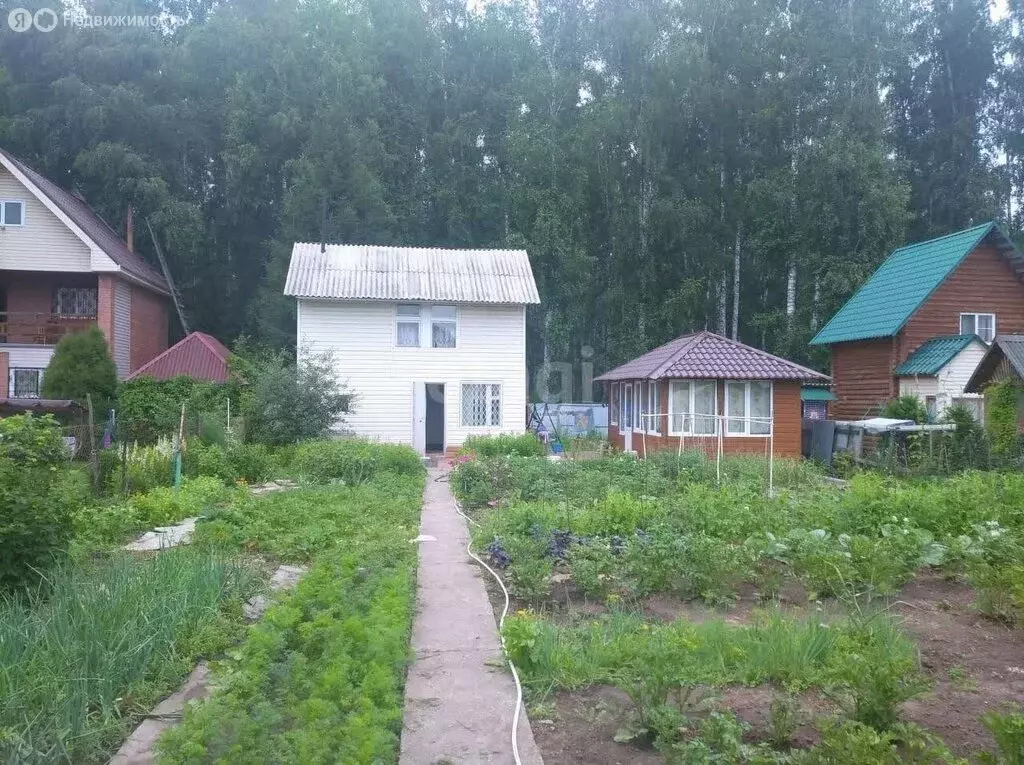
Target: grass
320,678
95,645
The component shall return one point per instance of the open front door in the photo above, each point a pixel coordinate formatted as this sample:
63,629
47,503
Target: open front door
419,417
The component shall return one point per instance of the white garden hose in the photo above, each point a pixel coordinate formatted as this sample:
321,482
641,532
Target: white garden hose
501,636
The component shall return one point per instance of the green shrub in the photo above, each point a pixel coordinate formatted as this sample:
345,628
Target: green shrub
851,742
285,403
148,409
505,444
253,463
36,507
81,365
353,460
1001,416
33,441
908,407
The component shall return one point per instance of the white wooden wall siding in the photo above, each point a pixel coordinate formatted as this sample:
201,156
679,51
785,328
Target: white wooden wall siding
491,348
950,381
43,243
122,327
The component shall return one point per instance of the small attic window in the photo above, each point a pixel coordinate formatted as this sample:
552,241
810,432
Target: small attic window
12,213
981,324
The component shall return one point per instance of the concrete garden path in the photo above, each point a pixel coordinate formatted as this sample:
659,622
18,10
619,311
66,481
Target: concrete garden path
459,694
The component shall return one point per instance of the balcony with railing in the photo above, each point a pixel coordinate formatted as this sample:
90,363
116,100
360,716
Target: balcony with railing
17,327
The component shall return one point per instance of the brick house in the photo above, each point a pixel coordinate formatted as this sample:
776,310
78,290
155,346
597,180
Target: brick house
921,323
62,268
705,391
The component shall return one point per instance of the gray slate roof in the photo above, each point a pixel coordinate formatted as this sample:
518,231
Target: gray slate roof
94,227
370,272
1009,347
705,355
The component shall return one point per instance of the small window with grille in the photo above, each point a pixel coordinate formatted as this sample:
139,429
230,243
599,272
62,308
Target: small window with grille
25,383
481,405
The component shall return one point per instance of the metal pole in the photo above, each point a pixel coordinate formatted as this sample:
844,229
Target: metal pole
718,467
771,456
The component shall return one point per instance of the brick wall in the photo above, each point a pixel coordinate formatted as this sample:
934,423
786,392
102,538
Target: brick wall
786,408
105,308
149,326
4,374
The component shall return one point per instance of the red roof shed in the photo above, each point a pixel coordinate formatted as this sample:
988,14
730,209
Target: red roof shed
198,355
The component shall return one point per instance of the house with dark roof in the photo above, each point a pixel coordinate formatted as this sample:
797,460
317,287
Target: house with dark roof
197,355
62,268
706,391
909,329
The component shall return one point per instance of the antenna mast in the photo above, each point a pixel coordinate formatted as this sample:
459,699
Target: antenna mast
175,296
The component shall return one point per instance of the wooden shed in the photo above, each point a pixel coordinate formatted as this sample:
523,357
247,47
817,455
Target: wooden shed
708,392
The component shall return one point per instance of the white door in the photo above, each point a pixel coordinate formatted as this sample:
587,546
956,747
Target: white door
419,417
626,418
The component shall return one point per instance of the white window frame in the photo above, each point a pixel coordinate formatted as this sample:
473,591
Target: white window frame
409,319
639,406
690,416
3,212
490,397
975,315
626,414
615,397
39,384
425,324
729,419
454,321
654,407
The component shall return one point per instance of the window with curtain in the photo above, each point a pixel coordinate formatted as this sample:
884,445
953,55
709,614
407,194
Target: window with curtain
654,407
443,326
75,302
748,408
692,405
481,405
408,326
981,324
613,403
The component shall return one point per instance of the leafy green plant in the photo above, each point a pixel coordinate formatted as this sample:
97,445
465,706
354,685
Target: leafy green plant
907,407
148,409
353,460
32,440
783,719
852,742
320,677
1007,728
1001,416
504,444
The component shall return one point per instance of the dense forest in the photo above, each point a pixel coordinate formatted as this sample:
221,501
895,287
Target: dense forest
670,165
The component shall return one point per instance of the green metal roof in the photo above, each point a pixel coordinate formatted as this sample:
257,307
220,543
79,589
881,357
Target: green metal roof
815,393
904,281
929,358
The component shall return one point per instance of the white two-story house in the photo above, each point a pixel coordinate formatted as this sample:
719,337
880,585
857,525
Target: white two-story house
432,342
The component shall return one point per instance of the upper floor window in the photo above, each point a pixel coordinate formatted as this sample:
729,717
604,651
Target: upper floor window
74,301
12,213
442,326
981,324
412,321
408,326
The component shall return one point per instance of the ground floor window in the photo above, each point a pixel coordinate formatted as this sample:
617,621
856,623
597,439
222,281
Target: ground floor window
613,403
639,406
481,405
25,383
626,415
748,408
692,407
653,424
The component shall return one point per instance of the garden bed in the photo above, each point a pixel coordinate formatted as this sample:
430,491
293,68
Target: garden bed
660,616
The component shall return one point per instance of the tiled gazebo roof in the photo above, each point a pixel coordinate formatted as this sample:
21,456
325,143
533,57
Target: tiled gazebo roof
705,355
